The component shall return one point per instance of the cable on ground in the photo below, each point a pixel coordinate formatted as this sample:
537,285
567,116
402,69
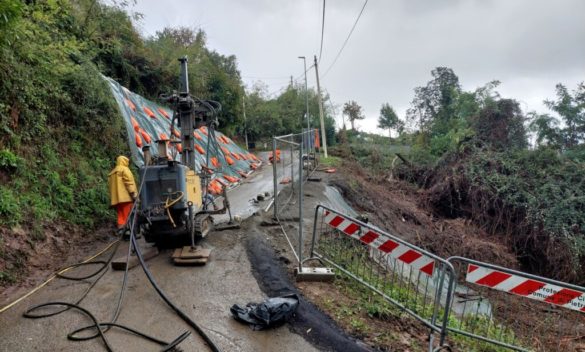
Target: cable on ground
103,327
52,277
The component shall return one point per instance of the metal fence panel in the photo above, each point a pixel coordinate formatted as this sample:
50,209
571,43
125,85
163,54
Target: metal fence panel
484,307
288,153
412,279
294,158
514,310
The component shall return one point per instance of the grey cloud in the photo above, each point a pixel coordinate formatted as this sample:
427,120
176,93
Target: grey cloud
529,45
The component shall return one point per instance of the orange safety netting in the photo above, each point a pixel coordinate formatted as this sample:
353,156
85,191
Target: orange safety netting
146,120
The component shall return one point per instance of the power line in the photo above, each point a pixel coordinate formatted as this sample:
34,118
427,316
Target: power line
299,77
346,39
263,78
303,74
322,32
333,109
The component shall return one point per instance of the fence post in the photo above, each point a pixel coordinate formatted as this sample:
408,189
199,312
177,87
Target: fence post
384,255
448,302
292,165
301,206
312,253
275,178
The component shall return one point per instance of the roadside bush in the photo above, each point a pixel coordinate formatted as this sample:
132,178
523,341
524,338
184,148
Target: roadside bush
10,212
8,161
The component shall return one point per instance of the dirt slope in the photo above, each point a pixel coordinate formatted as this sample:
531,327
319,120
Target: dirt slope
396,207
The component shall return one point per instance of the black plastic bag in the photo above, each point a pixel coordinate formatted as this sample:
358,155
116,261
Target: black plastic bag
272,312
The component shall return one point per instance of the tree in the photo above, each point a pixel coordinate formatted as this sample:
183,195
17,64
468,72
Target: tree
212,75
435,102
546,128
272,116
388,120
353,112
571,109
501,124
568,131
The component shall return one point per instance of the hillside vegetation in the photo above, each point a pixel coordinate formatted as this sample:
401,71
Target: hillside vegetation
469,153
60,128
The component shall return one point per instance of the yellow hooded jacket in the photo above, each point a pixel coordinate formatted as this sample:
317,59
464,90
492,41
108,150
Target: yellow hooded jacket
121,182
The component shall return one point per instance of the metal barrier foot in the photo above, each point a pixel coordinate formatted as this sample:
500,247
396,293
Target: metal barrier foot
314,274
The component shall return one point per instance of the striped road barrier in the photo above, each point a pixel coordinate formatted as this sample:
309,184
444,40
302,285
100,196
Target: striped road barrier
408,277
498,306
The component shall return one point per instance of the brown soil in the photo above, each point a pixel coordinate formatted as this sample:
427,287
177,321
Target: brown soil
28,257
395,206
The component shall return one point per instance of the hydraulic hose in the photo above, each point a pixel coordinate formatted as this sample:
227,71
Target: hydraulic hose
28,313
161,293
101,328
169,203
52,277
212,346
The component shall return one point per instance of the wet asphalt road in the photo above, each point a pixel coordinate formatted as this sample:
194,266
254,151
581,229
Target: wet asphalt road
205,293
241,198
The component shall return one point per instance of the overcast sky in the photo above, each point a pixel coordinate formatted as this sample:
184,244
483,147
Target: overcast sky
529,45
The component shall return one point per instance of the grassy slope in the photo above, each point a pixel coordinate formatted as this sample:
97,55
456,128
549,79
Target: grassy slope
60,133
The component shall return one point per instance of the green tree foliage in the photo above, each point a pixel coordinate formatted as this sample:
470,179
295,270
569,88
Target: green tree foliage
477,166
149,67
433,105
546,128
446,116
353,111
267,117
388,120
501,125
262,115
571,110
534,198
58,119
211,75
10,11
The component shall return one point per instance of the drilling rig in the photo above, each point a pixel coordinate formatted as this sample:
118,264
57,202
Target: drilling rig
174,201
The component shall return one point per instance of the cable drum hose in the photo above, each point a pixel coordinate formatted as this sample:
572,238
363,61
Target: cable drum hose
102,327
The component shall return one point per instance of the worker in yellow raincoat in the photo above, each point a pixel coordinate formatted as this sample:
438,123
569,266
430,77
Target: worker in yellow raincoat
123,191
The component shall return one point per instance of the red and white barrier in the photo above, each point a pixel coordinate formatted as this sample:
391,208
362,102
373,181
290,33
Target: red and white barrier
525,287
395,249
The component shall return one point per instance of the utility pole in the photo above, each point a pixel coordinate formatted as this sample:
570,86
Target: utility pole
323,136
245,120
